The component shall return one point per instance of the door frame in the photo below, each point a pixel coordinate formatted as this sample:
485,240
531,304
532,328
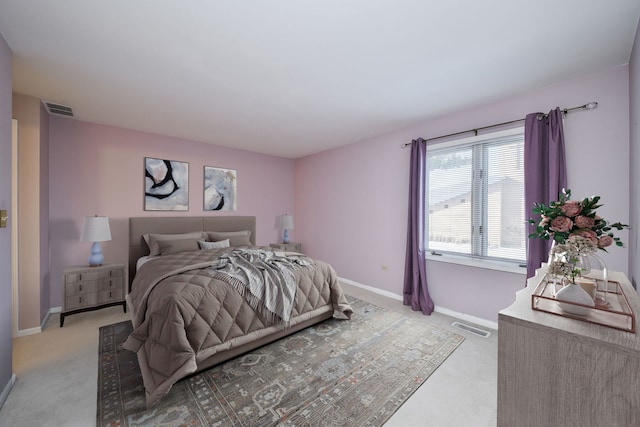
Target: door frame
15,294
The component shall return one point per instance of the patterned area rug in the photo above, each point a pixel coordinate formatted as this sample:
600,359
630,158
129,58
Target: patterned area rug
338,373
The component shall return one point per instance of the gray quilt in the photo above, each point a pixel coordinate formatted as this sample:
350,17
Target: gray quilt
183,314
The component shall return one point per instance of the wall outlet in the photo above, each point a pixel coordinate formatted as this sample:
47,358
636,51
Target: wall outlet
384,267
3,218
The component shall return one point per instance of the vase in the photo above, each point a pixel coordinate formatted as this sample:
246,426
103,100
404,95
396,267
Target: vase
575,294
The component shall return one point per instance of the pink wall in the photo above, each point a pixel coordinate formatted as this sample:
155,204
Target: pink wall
351,201
97,169
6,320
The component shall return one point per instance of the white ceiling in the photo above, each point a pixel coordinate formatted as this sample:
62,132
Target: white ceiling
296,77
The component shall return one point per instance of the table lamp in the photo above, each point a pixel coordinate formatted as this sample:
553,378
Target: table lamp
286,224
95,229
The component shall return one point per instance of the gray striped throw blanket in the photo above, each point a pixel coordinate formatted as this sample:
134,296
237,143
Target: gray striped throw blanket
265,278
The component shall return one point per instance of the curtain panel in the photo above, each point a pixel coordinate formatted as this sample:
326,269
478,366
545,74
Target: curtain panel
545,174
415,293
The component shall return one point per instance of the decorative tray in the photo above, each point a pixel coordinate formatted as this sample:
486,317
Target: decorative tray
613,309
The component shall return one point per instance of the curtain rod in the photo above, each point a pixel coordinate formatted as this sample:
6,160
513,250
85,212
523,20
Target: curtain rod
587,106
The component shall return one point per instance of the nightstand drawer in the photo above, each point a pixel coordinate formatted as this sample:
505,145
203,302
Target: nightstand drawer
81,276
287,247
110,273
76,288
83,300
110,284
109,296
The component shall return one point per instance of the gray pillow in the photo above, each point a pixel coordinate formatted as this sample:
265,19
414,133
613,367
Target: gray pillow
168,247
153,240
236,238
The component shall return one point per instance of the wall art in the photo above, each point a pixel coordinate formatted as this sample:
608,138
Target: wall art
166,185
220,187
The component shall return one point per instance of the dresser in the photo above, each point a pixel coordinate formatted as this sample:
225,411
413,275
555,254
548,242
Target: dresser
556,371
87,288
287,247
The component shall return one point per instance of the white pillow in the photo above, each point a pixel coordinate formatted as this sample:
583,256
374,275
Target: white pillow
214,245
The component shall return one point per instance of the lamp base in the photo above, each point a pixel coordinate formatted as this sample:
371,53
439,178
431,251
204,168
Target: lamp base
285,236
96,258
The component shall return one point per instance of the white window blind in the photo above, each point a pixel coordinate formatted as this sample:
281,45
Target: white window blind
475,197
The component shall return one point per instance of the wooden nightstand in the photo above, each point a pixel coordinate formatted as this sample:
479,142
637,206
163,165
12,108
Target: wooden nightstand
91,288
288,247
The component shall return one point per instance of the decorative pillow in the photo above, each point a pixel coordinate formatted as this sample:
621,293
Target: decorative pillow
236,238
173,246
154,239
214,245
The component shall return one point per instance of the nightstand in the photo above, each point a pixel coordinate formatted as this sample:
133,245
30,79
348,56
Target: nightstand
287,247
87,288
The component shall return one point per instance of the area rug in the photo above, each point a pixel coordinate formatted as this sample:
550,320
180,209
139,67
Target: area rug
354,372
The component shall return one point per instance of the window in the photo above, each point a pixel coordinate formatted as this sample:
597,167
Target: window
475,197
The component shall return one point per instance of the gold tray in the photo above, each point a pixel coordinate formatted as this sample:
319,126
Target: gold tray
617,314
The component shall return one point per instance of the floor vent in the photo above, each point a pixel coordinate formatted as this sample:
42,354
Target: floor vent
62,110
472,329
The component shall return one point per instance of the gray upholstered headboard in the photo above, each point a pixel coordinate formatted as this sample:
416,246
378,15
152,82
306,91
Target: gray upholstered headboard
180,224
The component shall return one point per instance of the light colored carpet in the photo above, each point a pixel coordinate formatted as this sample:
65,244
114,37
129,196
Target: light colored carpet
57,371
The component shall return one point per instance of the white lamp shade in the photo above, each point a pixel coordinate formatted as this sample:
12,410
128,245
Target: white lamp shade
286,222
95,229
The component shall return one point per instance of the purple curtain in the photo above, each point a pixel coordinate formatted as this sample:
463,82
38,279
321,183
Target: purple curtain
415,292
545,174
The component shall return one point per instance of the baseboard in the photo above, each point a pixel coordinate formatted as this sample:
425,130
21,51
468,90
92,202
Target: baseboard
38,329
372,289
30,331
466,317
7,390
49,313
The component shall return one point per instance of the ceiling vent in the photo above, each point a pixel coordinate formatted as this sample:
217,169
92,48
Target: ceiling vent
61,110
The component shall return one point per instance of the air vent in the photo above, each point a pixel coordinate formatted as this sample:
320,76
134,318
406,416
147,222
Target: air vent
472,329
61,110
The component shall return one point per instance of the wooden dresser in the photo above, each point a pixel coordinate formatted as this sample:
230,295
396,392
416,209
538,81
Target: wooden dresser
87,288
556,371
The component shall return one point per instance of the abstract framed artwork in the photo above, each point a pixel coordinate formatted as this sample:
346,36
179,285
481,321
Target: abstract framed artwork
220,189
166,185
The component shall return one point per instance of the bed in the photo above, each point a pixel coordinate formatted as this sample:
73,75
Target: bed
191,309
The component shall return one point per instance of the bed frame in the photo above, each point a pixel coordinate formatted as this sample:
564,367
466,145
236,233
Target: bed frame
180,224
138,248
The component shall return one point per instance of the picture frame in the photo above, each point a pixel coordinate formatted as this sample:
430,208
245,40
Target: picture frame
220,189
166,185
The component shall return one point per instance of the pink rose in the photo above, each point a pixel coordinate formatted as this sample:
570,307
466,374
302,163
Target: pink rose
584,221
571,208
561,224
588,234
605,241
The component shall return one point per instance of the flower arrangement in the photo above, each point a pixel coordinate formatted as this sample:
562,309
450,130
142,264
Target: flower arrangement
565,220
